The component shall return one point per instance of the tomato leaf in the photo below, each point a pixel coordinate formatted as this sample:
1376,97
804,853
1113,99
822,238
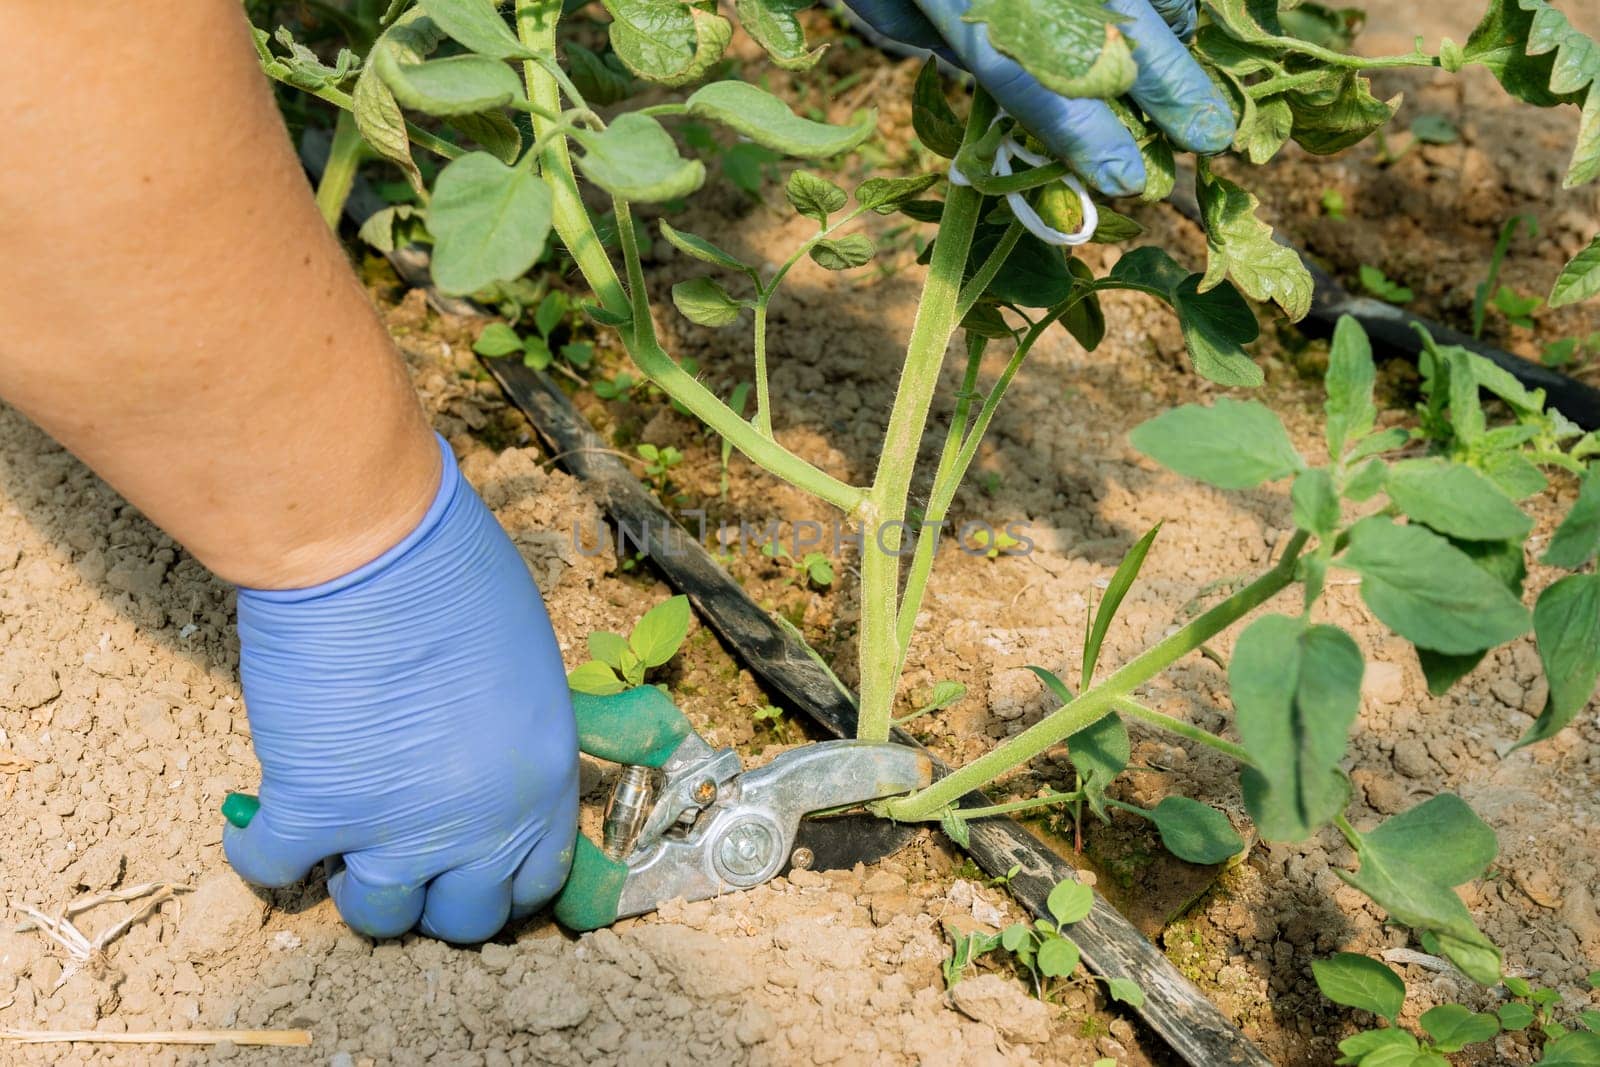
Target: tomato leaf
703,250
1241,247
497,134
935,124
1358,981
1072,47
1504,562
1428,591
773,25
1409,865
477,25
1566,625
843,253
1540,58
1315,502
666,41
603,80
705,303
635,159
459,85
1332,119
1195,832
767,121
813,196
1577,539
1216,325
1349,381
1234,444
489,223
885,195
1456,500
377,114
1264,130
1296,692
1579,279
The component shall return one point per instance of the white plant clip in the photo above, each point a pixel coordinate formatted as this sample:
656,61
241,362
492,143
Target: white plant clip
1030,219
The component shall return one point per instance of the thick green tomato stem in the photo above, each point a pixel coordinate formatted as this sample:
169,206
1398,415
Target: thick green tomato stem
339,174
763,401
547,60
763,451
938,500
1093,704
879,649
952,471
985,274
1131,707
555,131
641,326
764,295
883,514
1019,805
536,26
341,99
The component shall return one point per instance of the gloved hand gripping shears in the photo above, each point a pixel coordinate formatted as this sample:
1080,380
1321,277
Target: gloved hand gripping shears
685,820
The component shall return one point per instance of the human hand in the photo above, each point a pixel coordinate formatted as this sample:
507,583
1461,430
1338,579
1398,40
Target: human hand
1171,87
414,718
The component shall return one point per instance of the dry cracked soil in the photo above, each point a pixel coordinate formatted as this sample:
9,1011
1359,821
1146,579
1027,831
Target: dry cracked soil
121,725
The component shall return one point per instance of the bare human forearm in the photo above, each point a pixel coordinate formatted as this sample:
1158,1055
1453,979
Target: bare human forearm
175,311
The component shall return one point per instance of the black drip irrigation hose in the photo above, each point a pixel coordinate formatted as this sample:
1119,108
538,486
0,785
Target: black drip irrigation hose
1173,1007
1190,1024
1393,331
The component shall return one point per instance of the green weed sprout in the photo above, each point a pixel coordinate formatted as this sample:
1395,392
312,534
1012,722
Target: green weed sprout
513,111
1356,981
813,567
620,663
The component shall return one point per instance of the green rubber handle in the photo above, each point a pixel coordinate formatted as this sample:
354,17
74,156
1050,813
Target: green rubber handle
640,726
240,808
589,899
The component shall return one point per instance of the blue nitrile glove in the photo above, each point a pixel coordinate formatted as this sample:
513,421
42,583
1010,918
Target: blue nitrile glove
413,717
1171,87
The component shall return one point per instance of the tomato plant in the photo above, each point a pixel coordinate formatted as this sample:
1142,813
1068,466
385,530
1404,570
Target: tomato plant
1426,517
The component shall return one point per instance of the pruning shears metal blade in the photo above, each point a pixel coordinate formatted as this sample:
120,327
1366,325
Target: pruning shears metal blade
839,842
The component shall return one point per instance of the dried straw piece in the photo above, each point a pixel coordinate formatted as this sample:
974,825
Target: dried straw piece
299,1038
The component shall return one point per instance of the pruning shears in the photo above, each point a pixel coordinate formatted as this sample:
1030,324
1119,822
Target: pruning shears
686,820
